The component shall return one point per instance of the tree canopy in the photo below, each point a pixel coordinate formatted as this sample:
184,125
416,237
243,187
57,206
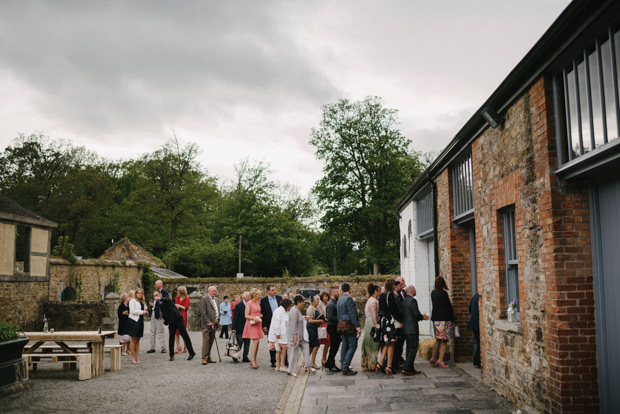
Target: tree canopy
367,167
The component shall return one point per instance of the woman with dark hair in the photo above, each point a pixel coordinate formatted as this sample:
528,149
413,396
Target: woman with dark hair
277,333
443,321
324,298
297,337
370,348
390,314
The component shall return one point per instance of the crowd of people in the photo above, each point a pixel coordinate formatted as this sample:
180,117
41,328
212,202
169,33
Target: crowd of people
389,340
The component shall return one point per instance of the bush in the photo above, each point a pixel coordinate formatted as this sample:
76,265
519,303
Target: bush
64,249
9,332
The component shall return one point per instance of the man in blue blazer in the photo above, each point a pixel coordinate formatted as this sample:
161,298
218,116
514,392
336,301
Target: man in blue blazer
238,323
410,330
348,312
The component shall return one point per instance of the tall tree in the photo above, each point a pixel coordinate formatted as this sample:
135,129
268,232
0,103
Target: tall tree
368,166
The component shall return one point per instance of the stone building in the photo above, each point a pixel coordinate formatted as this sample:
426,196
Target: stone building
523,206
125,249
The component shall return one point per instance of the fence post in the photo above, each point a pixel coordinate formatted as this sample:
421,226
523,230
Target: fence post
110,321
193,315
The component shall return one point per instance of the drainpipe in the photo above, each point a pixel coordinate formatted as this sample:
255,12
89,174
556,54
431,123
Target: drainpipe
436,244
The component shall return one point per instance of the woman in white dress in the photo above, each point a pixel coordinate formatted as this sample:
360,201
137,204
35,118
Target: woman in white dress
277,333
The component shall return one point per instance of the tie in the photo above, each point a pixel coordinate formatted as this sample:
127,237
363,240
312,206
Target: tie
156,309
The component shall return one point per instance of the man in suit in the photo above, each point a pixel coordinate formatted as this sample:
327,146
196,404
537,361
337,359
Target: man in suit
400,343
238,324
159,286
347,312
157,324
331,313
268,305
474,325
174,320
410,330
209,319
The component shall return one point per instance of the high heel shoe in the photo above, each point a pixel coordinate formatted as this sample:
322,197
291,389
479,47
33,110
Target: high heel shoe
253,364
377,367
388,370
441,365
432,362
177,350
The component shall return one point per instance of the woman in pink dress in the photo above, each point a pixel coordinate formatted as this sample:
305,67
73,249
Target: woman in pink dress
253,324
182,303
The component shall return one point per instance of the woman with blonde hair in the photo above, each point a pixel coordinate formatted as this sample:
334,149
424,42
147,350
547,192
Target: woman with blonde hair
314,319
123,316
253,324
181,301
135,324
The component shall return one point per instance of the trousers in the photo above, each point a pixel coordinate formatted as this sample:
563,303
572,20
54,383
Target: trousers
157,331
334,343
412,349
349,346
172,330
208,338
293,355
245,343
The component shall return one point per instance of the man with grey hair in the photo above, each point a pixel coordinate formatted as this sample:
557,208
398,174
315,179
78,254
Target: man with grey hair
209,319
410,330
238,324
157,324
159,286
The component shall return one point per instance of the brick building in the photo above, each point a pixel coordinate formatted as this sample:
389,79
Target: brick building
524,204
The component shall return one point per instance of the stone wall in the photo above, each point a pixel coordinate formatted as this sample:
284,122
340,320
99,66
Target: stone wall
22,302
547,362
92,279
74,316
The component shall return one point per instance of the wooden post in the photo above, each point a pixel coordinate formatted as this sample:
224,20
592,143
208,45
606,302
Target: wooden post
240,238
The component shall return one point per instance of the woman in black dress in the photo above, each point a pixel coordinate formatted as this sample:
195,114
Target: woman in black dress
443,321
314,319
123,316
390,314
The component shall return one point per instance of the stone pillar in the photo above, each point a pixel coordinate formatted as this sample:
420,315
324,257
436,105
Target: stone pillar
193,315
110,320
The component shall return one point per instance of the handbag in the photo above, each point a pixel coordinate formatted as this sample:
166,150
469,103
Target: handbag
323,334
233,349
397,325
457,334
345,328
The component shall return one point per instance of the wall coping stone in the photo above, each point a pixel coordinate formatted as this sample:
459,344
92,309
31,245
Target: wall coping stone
504,325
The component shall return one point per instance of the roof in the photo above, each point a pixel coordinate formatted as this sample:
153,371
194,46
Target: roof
577,17
10,210
125,249
166,273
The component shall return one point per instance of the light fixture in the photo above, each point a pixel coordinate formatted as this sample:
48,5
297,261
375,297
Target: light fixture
492,117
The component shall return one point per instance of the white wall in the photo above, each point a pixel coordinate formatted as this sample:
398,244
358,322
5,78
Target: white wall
415,267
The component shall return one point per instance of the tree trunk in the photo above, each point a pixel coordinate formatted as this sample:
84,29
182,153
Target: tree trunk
376,269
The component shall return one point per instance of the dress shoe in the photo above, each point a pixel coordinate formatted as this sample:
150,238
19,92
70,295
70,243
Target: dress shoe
273,365
190,357
150,351
410,373
245,360
171,358
210,360
163,350
334,369
235,360
204,362
348,372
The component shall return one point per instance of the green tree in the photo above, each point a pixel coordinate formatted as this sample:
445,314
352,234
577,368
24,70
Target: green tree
368,166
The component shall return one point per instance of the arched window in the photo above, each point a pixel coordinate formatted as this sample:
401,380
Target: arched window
68,295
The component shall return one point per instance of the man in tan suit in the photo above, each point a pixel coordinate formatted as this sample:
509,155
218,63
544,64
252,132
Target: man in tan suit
209,319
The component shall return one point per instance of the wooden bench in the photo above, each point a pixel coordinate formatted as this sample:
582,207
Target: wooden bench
83,361
113,350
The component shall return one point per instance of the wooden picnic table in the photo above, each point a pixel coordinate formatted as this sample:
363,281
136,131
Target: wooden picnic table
94,340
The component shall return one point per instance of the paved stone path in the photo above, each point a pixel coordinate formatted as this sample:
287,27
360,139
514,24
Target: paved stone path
436,390
156,386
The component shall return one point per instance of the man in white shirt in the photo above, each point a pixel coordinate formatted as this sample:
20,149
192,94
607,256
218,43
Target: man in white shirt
157,324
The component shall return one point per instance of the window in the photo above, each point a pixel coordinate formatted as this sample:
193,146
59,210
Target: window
22,249
586,94
510,254
462,187
424,214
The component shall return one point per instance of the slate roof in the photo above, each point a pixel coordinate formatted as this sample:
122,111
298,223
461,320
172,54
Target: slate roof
11,211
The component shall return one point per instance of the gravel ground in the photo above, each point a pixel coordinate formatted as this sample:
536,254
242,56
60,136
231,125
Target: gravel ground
156,386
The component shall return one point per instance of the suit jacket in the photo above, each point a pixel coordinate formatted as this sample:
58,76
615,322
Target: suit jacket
208,312
411,316
164,293
265,309
346,310
474,318
169,311
238,322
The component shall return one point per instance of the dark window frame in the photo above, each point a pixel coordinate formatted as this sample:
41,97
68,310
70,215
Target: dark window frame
462,187
511,257
425,214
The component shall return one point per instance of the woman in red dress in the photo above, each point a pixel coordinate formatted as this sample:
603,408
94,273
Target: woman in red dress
182,303
253,324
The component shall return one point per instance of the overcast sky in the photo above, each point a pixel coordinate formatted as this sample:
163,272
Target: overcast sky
248,78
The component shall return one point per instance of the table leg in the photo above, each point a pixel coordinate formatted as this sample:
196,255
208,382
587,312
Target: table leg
97,351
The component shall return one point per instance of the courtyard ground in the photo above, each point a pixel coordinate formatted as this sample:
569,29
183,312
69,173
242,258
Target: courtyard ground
181,386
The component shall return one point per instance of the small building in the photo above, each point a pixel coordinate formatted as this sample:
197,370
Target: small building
25,240
523,207
125,249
